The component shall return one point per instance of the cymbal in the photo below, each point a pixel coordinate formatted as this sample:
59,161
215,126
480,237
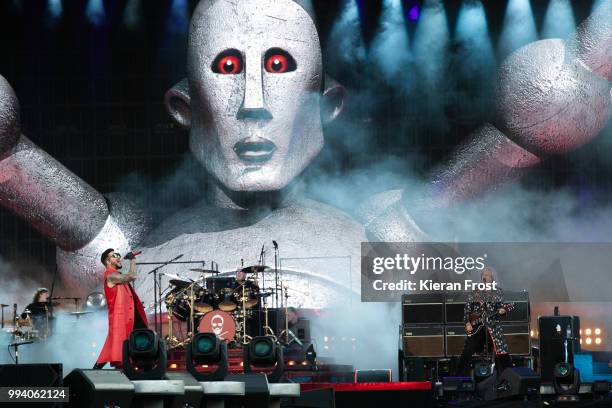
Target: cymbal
65,297
254,269
79,313
179,283
264,294
202,270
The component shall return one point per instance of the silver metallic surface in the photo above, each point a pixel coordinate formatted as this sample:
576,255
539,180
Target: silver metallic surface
159,387
127,211
50,197
487,160
254,105
223,387
284,390
592,44
547,104
9,117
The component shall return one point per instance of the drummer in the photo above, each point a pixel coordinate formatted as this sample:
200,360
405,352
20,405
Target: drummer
241,279
39,306
39,310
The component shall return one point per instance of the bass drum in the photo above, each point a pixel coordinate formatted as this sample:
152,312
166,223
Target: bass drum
219,322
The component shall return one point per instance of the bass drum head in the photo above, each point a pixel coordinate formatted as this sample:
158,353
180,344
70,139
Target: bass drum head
219,322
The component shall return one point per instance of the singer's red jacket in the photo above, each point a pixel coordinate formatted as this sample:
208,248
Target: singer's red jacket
121,299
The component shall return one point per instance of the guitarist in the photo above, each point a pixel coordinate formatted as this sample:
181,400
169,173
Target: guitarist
483,305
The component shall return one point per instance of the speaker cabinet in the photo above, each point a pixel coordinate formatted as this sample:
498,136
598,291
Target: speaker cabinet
521,311
518,338
99,389
455,340
518,382
32,375
423,341
422,309
454,305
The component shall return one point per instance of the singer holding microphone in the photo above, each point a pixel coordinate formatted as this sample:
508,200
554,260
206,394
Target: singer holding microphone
125,311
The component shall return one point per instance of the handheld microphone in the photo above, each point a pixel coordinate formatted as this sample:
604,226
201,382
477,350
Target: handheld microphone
132,254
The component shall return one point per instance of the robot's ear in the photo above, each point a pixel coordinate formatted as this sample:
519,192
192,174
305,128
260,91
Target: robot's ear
178,104
332,101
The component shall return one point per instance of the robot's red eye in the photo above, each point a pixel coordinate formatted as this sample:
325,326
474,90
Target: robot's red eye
278,61
228,63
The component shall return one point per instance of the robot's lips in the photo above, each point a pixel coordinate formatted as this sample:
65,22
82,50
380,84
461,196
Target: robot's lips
257,151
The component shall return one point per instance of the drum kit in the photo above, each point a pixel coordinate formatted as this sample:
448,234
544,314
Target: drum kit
36,321
223,305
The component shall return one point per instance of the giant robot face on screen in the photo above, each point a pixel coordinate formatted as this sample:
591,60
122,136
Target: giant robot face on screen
254,101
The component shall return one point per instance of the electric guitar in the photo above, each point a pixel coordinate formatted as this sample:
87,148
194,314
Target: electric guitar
478,320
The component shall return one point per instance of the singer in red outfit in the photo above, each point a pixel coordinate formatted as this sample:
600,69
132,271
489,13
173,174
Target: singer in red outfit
125,311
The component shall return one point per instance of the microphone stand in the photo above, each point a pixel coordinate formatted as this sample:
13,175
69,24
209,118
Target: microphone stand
2,306
157,294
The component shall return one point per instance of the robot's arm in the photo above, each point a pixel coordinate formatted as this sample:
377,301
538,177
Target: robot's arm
553,96
65,209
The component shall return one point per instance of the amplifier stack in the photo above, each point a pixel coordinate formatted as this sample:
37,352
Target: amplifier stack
432,324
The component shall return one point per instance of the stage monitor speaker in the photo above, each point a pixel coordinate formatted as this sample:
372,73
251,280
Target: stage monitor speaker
368,376
455,340
552,331
423,308
31,375
518,338
518,382
423,341
99,389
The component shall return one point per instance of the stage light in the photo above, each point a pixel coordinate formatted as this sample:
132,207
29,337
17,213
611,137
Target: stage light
566,381
518,27
390,48
207,349
132,14
311,355
95,12
264,352
559,20
587,332
413,12
178,19
54,11
95,301
597,331
345,37
144,356
476,49
430,44
598,340
589,340
482,370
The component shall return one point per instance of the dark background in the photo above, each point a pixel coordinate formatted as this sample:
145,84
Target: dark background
92,96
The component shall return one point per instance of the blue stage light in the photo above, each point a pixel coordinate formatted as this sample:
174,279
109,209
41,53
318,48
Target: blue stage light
431,40
390,49
472,33
94,11
519,27
345,40
54,10
559,20
178,21
132,14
